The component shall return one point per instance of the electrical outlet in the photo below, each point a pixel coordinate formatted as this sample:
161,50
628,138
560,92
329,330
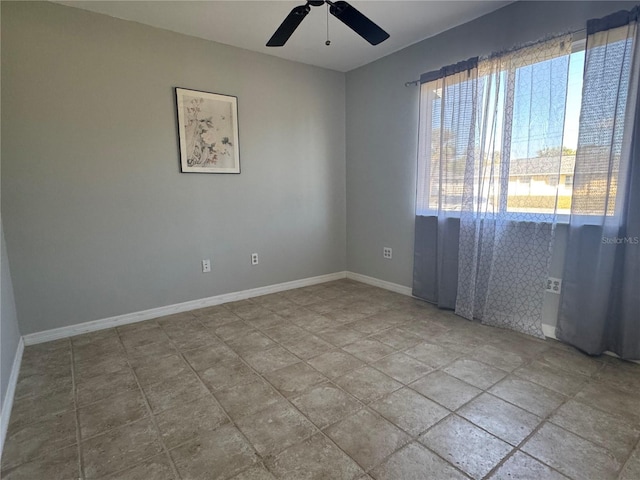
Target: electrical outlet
254,259
554,285
387,253
206,266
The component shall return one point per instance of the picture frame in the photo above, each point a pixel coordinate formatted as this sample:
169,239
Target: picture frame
207,131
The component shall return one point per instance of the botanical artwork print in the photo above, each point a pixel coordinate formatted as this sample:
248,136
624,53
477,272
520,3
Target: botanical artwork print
208,132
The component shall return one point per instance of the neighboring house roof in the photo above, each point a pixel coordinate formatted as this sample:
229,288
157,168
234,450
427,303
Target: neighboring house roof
542,166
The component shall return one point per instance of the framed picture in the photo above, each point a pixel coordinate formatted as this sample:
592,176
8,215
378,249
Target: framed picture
208,131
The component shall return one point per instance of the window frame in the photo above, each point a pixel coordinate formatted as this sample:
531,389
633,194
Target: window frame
425,124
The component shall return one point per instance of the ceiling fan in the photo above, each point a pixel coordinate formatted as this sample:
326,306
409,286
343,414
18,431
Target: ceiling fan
344,12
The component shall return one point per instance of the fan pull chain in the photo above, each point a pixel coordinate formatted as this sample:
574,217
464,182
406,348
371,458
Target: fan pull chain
328,42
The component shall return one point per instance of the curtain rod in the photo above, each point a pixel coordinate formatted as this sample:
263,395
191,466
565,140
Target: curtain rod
415,83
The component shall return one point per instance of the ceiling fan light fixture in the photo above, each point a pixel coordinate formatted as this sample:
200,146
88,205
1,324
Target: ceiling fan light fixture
343,11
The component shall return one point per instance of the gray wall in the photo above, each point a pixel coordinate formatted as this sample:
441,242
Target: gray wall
98,219
382,126
9,332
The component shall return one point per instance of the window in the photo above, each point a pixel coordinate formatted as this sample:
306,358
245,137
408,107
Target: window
530,178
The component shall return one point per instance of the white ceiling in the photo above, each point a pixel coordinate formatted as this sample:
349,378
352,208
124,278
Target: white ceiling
249,24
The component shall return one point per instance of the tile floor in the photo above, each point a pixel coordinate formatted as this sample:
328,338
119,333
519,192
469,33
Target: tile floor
335,381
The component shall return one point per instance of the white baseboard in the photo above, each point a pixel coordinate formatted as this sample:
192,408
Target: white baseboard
549,331
7,402
92,326
394,287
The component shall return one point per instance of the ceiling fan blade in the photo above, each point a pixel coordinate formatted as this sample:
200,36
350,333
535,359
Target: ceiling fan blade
286,29
360,24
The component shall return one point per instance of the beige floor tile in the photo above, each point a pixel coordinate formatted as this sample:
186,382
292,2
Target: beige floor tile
428,330
445,389
295,379
552,378
307,346
523,467
621,375
92,337
217,454
156,468
463,340
410,411
110,346
398,338
254,473
433,355
402,368
631,470
612,400
40,438
188,339
315,458
267,321
140,338
54,364
335,363
185,421
251,311
155,349
120,448
571,455
204,357
614,433
466,446
100,365
340,335
571,362
248,398
416,462
314,323
532,397
347,316
217,319
326,404
227,374
505,421
497,358
230,330
275,428
368,350
273,302
285,333
111,412
367,384
102,386
319,346
475,373
150,370
367,437
369,325
275,358
174,391
250,342
41,385
56,465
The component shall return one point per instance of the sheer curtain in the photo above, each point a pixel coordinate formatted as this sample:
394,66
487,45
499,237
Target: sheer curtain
483,234
448,112
600,302
505,238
